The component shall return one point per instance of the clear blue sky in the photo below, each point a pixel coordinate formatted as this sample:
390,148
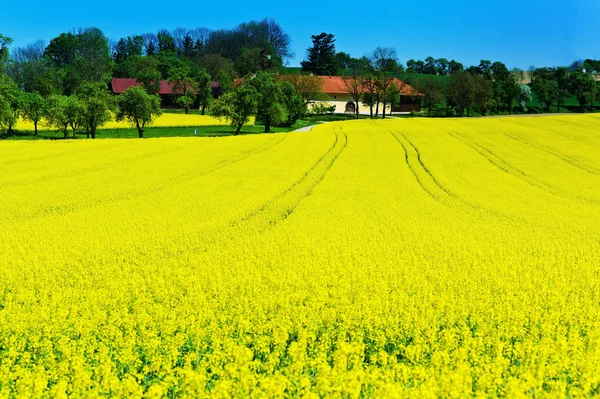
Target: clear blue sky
518,32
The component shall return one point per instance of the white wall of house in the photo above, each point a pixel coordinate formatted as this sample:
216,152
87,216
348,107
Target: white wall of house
341,100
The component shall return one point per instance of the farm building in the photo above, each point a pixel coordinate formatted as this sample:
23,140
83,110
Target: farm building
338,95
119,85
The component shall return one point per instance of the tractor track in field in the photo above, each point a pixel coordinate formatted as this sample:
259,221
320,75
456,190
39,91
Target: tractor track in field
421,165
501,164
314,175
413,171
504,166
165,184
568,159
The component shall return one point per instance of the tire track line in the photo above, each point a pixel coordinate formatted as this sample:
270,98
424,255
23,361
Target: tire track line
413,171
568,159
281,207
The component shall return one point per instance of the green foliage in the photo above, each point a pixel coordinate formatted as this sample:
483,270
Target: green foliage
321,56
56,112
9,104
138,108
204,94
544,87
293,103
582,86
4,53
273,107
98,106
236,106
63,112
80,58
145,71
433,91
33,108
184,86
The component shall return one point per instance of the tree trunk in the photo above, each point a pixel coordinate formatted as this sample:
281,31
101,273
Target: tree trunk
93,131
203,108
357,110
237,130
268,125
186,111
74,133
35,127
383,112
371,110
377,109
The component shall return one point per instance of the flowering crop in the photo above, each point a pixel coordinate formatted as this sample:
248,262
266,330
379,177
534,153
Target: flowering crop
165,120
402,258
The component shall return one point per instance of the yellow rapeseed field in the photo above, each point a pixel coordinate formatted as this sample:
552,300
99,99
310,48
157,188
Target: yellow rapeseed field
165,120
403,258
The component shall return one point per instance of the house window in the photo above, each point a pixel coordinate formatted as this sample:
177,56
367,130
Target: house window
334,97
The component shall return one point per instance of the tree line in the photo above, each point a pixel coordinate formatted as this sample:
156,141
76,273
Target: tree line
65,82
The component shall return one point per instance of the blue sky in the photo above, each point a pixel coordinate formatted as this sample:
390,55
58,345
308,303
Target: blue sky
519,33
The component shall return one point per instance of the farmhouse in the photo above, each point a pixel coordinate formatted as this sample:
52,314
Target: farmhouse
119,85
339,96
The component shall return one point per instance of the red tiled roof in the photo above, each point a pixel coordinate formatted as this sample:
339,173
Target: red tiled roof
335,85
119,85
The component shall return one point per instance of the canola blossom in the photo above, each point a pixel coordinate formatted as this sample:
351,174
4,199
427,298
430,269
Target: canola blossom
403,258
165,120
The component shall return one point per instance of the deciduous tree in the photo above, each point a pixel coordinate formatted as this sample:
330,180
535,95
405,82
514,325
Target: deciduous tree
33,108
138,108
236,106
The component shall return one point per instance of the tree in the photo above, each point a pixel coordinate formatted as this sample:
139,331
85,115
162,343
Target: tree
582,86
31,71
308,87
145,71
10,95
33,108
74,113
392,97
5,42
97,106
253,60
561,76
355,82
205,94
56,106
432,89
482,93
343,61
385,61
80,57
293,103
321,56
166,42
525,97
270,107
183,86
544,86
216,64
138,108
370,96
461,91
236,106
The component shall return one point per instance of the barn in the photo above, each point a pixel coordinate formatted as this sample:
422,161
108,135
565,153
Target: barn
336,90
119,85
